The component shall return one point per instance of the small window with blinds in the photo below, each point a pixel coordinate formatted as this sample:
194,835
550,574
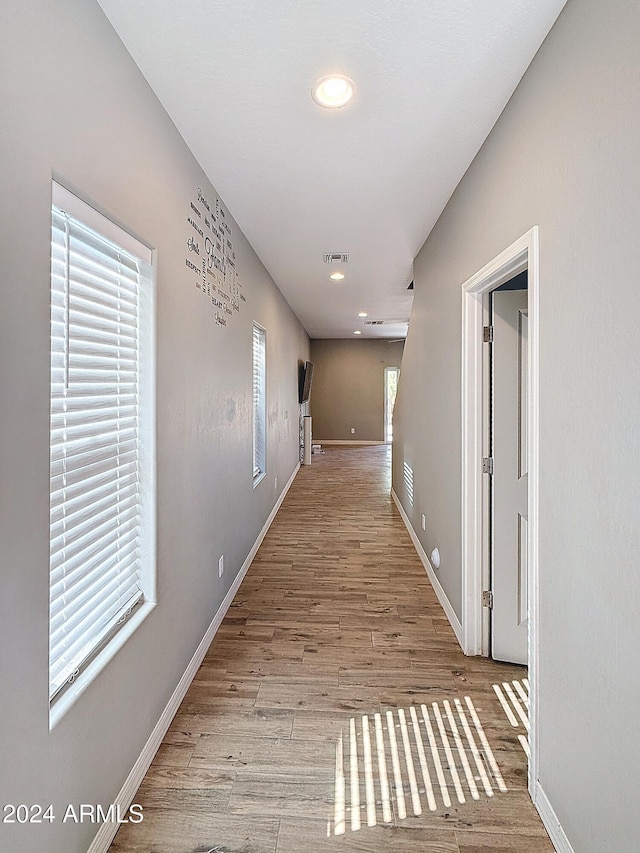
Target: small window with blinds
101,438
259,403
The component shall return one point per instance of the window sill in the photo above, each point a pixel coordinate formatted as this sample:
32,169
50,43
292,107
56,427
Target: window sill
62,703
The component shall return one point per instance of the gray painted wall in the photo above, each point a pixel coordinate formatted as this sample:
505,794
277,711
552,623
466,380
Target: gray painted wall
75,106
348,388
563,156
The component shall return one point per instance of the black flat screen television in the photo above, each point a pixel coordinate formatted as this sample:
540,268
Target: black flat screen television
305,384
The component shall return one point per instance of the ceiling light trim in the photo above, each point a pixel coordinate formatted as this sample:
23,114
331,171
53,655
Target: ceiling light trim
333,91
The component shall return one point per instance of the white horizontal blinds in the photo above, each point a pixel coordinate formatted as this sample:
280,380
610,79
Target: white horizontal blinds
95,481
259,401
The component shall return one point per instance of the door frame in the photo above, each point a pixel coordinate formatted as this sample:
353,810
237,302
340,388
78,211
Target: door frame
521,255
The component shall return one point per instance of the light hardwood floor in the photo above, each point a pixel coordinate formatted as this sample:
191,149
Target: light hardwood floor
311,724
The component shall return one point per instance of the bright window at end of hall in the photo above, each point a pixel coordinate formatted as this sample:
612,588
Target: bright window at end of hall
259,402
102,494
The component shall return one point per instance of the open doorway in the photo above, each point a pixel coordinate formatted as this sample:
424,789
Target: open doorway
391,376
477,506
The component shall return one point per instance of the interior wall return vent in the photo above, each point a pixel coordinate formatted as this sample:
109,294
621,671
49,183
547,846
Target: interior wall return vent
336,257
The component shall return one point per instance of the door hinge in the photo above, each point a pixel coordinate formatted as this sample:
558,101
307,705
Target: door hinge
487,334
487,464
487,598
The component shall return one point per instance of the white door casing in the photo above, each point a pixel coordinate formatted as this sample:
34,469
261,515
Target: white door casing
520,255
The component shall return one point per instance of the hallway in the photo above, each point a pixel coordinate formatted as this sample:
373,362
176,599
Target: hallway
331,711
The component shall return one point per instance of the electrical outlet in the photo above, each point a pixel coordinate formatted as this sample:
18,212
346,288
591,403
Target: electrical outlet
221,566
353,429
275,482
424,522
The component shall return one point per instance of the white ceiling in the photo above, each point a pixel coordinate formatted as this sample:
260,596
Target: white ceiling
371,179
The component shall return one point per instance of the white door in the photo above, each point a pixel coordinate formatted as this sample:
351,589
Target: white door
509,483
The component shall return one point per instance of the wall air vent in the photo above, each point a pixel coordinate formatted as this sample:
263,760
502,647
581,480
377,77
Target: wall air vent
336,257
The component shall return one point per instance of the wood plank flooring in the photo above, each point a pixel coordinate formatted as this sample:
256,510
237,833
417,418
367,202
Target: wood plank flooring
324,716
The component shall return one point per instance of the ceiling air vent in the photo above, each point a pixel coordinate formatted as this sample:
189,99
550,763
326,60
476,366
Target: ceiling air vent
336,257
373,322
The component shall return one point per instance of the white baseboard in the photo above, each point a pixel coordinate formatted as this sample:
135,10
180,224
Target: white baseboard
442,596
107,831
331,441
550,821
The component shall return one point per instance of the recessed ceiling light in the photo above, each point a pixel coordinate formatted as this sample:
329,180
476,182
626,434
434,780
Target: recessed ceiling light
333,91
336,276
357,332
362,314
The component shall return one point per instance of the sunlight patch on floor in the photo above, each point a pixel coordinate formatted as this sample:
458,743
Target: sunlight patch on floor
423,758
514,699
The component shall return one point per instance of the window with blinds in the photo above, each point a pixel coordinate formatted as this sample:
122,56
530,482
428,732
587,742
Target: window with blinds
259,402
100,286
